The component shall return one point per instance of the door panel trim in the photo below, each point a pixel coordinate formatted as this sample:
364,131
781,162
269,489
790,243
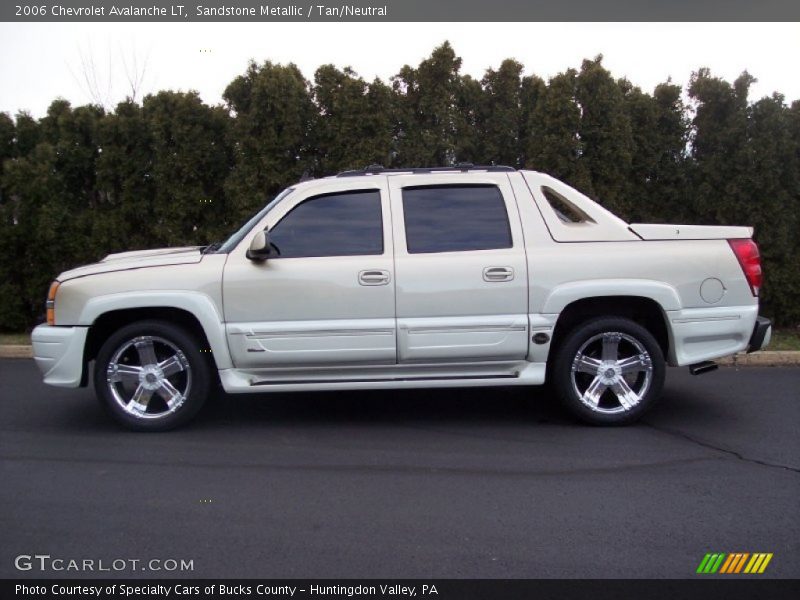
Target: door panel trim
367,341
463,338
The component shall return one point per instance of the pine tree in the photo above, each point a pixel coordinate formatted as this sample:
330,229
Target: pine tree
605,134
12,307
273,114
429,119
354,126
126,187
190,162
470,144
81,182
502,109
532,91
554,145
657,183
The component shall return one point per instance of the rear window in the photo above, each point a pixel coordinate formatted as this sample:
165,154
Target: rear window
455,218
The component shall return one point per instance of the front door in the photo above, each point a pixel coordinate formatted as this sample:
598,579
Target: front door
328,298
462,289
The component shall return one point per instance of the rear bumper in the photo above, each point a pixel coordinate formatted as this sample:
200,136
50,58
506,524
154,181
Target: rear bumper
58,352
701,334
762,333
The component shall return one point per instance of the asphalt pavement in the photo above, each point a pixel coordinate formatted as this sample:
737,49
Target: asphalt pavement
494,483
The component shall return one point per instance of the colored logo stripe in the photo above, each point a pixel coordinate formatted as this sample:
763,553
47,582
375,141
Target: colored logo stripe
710,563
726,566
734,563
758,563
716,562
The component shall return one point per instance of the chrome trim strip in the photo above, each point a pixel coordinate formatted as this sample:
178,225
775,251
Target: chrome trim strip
258,335
707,319
465,329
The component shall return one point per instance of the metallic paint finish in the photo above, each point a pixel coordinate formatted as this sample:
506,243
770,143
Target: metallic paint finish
441,314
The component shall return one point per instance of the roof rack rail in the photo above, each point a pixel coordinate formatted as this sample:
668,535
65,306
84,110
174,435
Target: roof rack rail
459,168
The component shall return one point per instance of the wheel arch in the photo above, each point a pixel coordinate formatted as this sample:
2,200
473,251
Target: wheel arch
194,312
643,310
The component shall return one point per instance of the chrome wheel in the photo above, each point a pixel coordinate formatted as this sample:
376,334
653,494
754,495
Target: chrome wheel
611,373
149,377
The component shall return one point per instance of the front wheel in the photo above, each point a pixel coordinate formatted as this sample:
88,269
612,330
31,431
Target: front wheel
151,376
609,371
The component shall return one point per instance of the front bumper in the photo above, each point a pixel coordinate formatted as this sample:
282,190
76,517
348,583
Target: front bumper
762,334
58,352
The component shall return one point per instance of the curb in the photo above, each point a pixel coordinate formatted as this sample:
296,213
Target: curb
9,351
765,358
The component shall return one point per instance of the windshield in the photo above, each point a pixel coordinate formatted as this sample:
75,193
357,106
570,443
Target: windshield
234,240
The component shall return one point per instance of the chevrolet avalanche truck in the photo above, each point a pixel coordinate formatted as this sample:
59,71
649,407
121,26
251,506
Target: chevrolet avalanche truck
389,278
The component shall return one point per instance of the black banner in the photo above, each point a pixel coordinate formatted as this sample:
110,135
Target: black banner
370,589
399,10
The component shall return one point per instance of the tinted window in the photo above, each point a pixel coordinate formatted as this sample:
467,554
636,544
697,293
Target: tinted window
341,224
565,210
455,218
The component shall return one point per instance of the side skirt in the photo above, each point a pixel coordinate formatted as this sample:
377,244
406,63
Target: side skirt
382,377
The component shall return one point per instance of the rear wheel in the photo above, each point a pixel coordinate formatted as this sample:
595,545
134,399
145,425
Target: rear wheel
152,376
609,371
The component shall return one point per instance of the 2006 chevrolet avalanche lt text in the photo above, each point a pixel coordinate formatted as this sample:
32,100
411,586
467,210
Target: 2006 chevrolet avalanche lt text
388,278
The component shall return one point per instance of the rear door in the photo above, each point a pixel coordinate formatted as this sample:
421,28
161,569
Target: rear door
460,269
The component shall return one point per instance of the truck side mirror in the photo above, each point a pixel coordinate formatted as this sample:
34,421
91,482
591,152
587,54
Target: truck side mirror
260,247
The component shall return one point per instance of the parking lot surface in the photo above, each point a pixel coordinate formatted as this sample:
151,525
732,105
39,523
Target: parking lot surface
493,482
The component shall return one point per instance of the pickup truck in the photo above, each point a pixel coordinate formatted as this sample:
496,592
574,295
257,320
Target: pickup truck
405,278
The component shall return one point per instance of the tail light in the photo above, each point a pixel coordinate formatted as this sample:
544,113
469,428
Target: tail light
51,303
746,252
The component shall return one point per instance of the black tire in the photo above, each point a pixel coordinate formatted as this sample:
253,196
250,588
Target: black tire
157,406
605,380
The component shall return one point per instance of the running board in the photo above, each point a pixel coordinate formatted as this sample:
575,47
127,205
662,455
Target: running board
379,380
400,376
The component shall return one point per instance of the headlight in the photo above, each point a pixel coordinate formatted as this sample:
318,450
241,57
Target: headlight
51,303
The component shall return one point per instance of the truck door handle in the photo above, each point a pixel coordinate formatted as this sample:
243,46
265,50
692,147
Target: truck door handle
498,274
375,277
